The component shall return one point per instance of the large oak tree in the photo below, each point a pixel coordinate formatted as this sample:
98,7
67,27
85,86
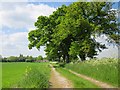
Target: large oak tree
71,30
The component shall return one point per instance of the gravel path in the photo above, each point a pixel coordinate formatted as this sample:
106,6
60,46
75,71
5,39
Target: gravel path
58,81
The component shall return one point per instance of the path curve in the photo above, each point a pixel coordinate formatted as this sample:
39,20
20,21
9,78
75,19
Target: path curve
58,81
96,82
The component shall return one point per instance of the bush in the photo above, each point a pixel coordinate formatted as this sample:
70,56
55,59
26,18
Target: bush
62,64
28,60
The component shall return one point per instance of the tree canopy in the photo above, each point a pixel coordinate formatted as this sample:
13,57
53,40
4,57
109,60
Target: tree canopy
70,31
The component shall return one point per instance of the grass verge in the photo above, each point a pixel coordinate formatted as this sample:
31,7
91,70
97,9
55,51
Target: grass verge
34,79
105,70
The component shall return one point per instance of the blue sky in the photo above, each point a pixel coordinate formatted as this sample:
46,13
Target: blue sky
17,19
52,4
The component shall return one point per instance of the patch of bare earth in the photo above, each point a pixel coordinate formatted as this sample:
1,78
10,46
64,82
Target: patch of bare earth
58,81
96,82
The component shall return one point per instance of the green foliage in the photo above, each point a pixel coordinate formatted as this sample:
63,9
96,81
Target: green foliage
25,75
39,57
21,58
29,59
105,70
1,58
12,59
71,30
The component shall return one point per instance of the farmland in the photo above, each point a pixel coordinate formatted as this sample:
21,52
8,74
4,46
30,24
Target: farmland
25,75
69,37
37,75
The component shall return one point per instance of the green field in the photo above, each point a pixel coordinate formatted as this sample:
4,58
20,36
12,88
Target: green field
25,75
0,75
105,70
37,75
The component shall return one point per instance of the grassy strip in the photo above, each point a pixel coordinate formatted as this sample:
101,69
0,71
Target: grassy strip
77,81
25,75
0,75
105,70
34,79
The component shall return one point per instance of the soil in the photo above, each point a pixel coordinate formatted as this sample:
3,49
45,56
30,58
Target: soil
58,81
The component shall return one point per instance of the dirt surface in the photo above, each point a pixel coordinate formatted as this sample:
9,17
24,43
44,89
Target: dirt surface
58,81
96,82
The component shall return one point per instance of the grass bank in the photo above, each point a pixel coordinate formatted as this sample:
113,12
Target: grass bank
105,70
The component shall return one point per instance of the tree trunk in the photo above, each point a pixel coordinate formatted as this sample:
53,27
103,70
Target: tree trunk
82,56
59,59
67,58
63,58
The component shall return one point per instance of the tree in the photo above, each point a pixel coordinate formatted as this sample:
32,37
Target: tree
71,30
1,58
29,59
21,58
4,59
39,57
12,59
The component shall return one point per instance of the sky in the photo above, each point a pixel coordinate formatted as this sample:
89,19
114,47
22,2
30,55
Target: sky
17,19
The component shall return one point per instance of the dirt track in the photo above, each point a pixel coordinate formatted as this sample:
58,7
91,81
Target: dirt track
58,81
96,82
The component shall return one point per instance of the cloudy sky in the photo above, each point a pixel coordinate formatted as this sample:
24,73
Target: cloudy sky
17,19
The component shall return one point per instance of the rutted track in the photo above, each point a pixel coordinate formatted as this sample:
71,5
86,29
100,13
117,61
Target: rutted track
58,81
96,82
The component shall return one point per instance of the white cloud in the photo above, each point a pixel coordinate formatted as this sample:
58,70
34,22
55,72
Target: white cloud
112,50
22,15
39,0
15,44
18,16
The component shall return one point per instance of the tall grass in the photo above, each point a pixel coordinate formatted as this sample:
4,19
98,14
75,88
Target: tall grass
25,75
105,70
34,78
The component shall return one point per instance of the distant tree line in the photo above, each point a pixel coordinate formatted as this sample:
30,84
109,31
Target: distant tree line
20,58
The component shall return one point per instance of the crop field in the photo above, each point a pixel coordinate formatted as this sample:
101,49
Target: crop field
105,70
25,75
